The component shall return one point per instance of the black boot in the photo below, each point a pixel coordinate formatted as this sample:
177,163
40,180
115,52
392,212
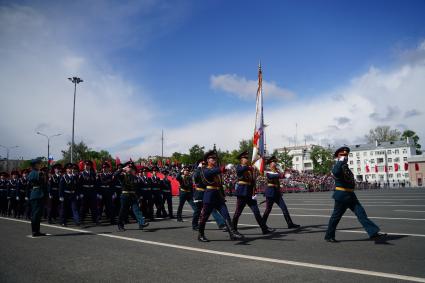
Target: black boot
234,234
201,234
289,222
263,226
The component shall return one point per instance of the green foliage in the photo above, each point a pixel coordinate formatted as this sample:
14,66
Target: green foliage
322,159
412,135
83,152
284,158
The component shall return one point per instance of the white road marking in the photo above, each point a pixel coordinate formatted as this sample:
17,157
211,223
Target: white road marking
242,256
409,210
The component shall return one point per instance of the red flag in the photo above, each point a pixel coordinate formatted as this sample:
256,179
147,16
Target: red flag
376,168
94,165
396,167
117,161
258,138
367,169
81,165
168,162
385,168
406,166
160,162
416,166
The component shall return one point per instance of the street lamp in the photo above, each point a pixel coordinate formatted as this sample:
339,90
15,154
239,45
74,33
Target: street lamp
8,148
75,81
48,145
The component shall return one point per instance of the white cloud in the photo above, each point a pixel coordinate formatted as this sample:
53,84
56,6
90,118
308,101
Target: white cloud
37,58
247,89
386,92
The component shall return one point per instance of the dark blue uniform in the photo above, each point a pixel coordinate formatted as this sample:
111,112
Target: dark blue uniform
24,194
274,195
244,193
106,190
13,197
345,197
146,197
69,196
198,197
167,197
214,199
185,194
88,195
3,194
157,194
53,200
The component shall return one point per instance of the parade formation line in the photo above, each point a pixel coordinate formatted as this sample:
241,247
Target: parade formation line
241,256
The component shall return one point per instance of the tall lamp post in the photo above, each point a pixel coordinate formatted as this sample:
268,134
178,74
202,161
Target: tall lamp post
48,145
75,81
8,148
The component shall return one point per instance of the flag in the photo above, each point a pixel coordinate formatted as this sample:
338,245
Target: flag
396,167
367,169
258,139
406,166
385,169
160,162
117,161
94,165
376,168
416,166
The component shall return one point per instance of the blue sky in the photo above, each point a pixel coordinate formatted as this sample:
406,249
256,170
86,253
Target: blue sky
188,65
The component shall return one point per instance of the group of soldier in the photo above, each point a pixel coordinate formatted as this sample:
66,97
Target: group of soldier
70,192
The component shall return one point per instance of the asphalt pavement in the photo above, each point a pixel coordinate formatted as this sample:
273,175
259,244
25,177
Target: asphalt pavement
168,251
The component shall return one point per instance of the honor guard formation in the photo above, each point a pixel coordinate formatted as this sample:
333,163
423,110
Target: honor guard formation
116,194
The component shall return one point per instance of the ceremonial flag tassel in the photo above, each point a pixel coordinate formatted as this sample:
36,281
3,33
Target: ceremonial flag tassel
258,139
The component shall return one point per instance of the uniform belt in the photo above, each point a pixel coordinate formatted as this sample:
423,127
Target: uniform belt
146,189
88,186
118,187
55,189
128,192
200,189
155,189
69,192
35,188
167,191
344,189
183,190
212,188
272,185
243,183
104,186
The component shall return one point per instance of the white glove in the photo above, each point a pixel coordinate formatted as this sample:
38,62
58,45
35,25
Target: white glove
99,196
26,198
61,199
114,196
81,196
17,198
254,197
342,158
50,196
229,166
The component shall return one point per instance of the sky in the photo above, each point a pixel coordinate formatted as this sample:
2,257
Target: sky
332,70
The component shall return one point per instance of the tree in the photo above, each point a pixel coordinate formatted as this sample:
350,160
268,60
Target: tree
83,152
284,158
412,135
322,159
383,134
196,152
246,145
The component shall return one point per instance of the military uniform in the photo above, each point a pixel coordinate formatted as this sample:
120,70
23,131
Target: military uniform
213,198
24,192
53,203
88,193
3,193
69,196
106,187
185,193
167,196
146,201
38,184
13,195
129,198
198,199
345,198
245,187
156,192
274,195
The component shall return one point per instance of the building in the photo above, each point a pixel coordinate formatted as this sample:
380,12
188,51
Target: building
301,160
13,164
382,162
416,166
